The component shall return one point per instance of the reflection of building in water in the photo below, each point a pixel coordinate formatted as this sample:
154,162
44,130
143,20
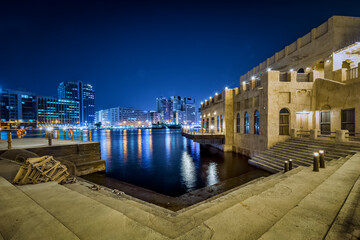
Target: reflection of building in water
168,145
125,148
311,85
139,141
108,144
150,143
212,176
188,172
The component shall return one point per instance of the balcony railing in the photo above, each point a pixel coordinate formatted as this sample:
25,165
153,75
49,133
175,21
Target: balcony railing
302,77
352,73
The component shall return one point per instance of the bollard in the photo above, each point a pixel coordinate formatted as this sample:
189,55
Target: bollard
64,134
286,166
290,164
81,135
316,162
50,138
9,140
90,136
322,158
58,134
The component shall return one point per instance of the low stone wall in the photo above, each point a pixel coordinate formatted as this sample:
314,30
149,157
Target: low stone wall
81,159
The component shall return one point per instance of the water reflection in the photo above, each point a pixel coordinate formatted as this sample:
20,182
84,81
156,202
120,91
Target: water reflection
139,143
188,171
124,143
164,161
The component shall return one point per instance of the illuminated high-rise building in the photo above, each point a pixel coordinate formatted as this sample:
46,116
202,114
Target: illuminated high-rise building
85,94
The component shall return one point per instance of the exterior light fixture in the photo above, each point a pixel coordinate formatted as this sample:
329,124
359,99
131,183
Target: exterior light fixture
253,78
201,102
214,113
328,61
268,69
204,115
226,88
212,126
244,83
291,69
216,94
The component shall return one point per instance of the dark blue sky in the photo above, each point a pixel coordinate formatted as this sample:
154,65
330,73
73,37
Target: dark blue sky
134,51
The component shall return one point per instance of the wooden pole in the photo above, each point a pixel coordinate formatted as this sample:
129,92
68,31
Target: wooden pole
90,136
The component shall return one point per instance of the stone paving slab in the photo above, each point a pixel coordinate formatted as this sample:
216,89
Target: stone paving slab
347,223
313,216
22,218
251,218
86,217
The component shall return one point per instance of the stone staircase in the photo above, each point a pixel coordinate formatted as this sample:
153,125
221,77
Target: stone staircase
300,151
299,204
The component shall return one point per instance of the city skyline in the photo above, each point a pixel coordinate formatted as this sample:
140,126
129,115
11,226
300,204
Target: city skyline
121,46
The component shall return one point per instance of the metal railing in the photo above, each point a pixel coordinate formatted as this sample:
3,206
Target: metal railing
47,135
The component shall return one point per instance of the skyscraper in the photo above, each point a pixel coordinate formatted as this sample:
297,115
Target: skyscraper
85,94
164,107
190,111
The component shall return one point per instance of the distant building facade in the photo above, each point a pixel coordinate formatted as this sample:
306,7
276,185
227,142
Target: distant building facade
176,110
55,111
122,116
18,108
85,94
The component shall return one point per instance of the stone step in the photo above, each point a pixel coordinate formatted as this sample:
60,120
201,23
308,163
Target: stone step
316,148
312,148
85,217
251,218
343,145
270,162
313,215
280,156
304,155
22,218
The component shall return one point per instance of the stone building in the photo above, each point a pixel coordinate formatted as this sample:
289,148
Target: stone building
309,88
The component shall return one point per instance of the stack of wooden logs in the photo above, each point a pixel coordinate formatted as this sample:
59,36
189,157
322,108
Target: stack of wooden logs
41,169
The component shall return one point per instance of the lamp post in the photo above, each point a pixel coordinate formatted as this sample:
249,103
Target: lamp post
212,129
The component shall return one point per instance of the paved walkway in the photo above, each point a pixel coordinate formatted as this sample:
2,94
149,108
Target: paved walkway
300,204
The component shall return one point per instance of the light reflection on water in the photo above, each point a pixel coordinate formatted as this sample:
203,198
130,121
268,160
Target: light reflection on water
164,161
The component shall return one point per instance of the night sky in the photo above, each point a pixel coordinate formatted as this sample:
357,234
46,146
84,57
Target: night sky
134,51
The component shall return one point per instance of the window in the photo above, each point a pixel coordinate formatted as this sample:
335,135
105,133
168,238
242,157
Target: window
238,123
246,123
221,124
256,122
325,126
284,122
218,123
203,123
348,120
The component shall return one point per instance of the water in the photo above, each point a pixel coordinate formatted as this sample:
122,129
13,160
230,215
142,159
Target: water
161,160
164,161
